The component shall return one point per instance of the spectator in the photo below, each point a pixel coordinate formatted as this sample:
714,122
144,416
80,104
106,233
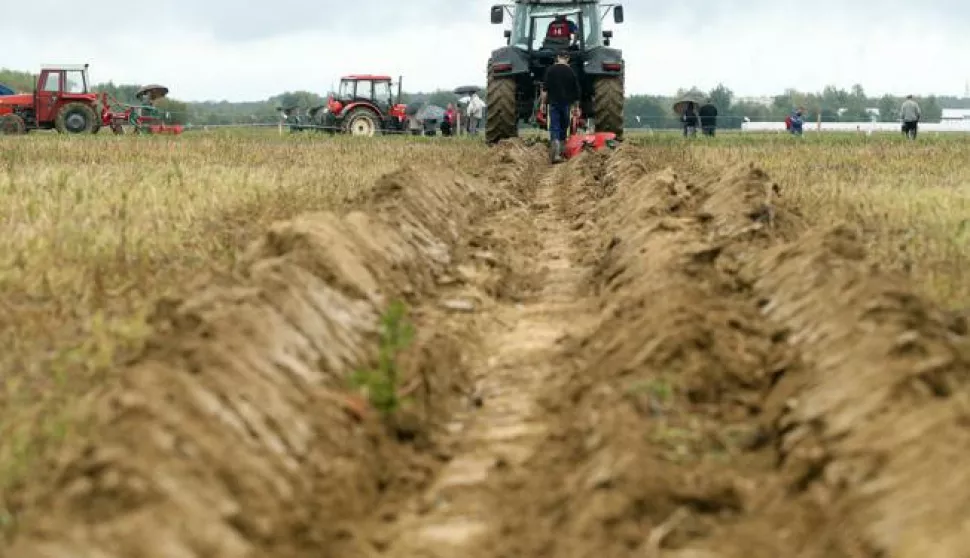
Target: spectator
476,109
911,115
796,122
708,116
690,120
448,122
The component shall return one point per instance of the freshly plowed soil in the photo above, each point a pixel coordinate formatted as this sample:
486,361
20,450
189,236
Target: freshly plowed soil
611,359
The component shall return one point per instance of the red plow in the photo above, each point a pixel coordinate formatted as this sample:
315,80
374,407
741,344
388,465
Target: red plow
144,118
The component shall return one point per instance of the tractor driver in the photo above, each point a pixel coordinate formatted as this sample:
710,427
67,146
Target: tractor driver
561,32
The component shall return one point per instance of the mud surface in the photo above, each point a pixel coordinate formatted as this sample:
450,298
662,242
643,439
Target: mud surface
611,359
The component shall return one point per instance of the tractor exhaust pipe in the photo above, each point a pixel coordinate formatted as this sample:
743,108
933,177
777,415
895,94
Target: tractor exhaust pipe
399,80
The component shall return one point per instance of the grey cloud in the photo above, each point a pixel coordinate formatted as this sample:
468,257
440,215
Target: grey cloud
242,20
229,21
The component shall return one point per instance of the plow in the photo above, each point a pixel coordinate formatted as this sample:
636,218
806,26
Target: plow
61,101
143,118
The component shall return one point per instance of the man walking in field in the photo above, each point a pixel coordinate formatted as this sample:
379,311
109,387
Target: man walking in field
562,90
476,110
911,115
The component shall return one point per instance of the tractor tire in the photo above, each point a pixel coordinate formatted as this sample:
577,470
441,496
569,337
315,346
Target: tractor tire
502,112
608,105
75,118
362,122
12,124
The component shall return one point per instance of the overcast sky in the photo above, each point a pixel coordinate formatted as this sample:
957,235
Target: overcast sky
240,50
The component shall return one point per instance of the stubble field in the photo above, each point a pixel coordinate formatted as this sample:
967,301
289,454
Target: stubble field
696,348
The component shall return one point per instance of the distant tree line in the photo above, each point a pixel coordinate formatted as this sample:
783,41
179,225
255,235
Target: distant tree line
832,104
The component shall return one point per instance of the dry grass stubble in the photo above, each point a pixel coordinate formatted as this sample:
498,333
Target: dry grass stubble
95,229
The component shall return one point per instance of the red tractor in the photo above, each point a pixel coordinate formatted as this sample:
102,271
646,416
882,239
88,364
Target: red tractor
363,106
61,101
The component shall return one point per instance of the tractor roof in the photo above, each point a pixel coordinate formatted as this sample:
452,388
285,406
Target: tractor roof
367,76
64,67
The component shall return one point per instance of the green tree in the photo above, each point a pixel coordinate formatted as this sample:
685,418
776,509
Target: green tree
888,108
722,98
931,109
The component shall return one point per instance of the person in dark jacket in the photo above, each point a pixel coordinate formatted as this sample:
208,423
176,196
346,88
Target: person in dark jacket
562,90
690,120
708,114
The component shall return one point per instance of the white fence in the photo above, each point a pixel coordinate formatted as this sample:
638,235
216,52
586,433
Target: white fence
864,127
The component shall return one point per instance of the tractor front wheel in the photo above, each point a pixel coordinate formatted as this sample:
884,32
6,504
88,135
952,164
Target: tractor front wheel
361,122
502,117
608,105
12,124
75,118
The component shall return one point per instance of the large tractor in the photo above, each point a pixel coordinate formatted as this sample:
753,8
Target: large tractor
517,70
363,106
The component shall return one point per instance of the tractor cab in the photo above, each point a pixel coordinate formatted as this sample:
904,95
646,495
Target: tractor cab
373,89
370,89
57,85
72,79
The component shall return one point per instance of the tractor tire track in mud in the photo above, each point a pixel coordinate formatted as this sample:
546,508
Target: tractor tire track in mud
612,359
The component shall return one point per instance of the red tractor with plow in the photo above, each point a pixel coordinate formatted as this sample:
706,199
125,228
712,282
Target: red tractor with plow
61,101
363,106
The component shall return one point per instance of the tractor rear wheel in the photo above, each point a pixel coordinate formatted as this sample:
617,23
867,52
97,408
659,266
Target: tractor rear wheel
608,105
502,117
361,122
75,118
12,124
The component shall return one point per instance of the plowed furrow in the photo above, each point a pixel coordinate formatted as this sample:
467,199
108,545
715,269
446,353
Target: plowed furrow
522,350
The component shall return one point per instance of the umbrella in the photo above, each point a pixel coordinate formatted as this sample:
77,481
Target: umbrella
467,89
153,91
430,112
681,105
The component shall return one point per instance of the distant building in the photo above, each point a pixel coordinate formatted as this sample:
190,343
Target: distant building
955,115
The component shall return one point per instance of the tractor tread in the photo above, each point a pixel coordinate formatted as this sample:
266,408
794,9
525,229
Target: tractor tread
608,105
502,114
12,124
90,116
352,115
